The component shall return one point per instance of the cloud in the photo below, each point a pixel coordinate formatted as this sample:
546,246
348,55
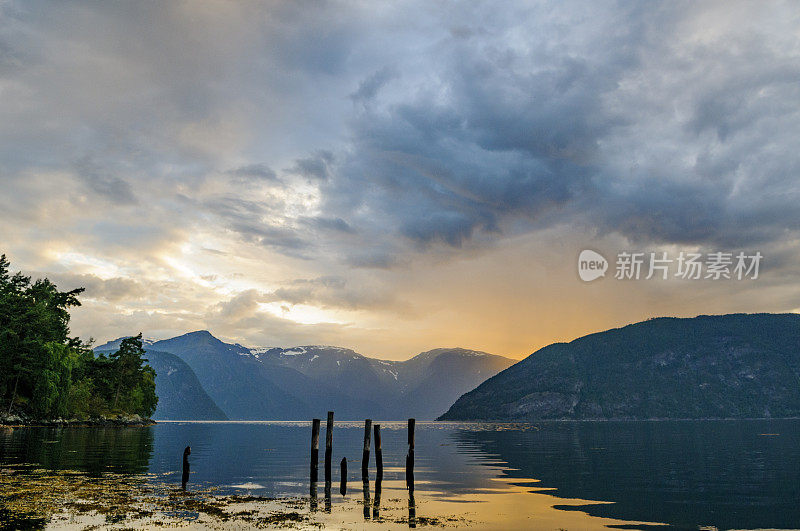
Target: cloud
329,224
254,171
241,305
369,87
316,166
110,187
237,146
335,292
108,289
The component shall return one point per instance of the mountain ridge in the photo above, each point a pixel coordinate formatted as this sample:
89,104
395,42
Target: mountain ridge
709,366
275,383
181,396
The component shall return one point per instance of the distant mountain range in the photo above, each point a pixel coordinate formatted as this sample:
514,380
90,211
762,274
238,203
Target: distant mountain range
200,377
721,366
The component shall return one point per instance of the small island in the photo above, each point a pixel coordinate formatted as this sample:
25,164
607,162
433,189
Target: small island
50,378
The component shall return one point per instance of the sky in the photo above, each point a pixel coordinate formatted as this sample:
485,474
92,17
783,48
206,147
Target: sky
396,177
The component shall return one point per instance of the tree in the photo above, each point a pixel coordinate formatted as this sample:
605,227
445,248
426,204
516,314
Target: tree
46,373
133,378
32,315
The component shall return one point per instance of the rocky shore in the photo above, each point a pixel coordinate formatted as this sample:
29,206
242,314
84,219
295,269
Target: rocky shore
11,421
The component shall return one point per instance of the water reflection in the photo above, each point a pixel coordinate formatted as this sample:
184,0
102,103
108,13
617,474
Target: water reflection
412,510
742,474
366,501
343,477
376,508
93,451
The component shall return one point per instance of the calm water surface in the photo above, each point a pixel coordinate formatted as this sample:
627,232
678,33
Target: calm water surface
571,475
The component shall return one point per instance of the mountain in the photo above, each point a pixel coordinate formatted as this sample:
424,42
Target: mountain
350,374
304,382
723,366
438,377
180,395
114,345
247,388
421,387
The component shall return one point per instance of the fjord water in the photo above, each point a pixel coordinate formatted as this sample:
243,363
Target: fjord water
727,474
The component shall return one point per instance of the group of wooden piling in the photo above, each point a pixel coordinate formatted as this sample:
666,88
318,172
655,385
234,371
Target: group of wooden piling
369,431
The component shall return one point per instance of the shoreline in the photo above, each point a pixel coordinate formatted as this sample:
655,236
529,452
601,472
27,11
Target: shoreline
122,421
133,421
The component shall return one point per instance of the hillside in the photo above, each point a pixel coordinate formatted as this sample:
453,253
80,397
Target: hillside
422,387
725,366
305,381
180,395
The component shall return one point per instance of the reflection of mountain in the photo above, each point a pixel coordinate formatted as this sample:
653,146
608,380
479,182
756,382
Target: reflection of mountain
302,382
712,366
94,451
686,473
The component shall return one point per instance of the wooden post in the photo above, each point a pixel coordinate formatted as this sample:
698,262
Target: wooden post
365,491
410,471
378,451
343,477
314,449
185,475
328,504
410,456
376,507
365,453
412,510
328,446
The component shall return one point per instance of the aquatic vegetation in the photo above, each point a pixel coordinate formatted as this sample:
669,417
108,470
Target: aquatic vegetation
33,498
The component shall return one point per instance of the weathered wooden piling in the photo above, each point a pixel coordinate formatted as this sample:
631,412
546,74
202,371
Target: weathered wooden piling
412,510
328,446
410,456
328,503
312,491
343,477
185,475
365,491
314,449
378,451
365,452
410,471
376,508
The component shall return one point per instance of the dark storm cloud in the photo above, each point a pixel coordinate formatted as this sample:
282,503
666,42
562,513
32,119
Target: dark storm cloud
644,129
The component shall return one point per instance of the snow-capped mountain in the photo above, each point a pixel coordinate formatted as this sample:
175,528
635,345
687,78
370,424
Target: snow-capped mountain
273,383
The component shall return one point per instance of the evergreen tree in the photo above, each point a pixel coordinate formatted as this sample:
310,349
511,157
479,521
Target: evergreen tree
46,373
